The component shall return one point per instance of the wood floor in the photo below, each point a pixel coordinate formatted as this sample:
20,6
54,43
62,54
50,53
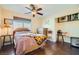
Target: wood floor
49,49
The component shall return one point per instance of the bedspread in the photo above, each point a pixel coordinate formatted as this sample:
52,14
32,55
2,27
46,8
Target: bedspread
25,44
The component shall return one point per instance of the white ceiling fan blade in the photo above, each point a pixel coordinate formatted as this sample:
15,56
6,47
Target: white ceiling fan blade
28,8
27,13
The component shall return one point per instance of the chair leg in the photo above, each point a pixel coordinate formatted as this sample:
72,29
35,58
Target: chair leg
57,38
10,40
63,39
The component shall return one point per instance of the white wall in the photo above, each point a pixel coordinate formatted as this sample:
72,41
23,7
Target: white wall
71,27
68,26
50,23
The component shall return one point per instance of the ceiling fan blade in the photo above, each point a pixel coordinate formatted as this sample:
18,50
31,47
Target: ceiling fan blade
33,15
27,13
39,9
28,8
39,13
33,6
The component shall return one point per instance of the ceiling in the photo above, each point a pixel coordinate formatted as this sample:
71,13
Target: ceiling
48,9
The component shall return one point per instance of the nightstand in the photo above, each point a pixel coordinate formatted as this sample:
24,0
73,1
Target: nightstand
4,39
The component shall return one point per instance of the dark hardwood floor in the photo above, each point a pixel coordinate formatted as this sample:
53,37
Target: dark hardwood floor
49,49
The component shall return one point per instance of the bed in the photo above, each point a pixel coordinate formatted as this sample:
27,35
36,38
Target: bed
25,41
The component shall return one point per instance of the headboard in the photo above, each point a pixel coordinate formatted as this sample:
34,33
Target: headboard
20,30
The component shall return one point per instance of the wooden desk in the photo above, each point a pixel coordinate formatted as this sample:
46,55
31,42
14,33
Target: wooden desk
4,39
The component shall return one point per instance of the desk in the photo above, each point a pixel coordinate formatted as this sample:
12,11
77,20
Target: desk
4,39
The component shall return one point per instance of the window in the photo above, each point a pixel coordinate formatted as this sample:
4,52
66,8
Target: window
22,24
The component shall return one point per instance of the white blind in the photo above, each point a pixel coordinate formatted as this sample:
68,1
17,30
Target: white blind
21,24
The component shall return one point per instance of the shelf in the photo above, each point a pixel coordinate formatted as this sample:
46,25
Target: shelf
68,18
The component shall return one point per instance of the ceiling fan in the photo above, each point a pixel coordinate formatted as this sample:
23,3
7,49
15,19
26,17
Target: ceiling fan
34,10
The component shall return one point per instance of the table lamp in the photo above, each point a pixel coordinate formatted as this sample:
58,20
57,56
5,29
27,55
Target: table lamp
6,26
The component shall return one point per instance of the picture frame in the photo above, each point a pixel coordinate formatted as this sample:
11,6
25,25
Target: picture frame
8,21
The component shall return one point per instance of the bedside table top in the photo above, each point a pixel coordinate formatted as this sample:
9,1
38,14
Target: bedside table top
6,35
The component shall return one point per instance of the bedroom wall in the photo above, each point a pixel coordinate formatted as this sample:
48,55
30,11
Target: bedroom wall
9,14
37,23
49,22
6,13
71,27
